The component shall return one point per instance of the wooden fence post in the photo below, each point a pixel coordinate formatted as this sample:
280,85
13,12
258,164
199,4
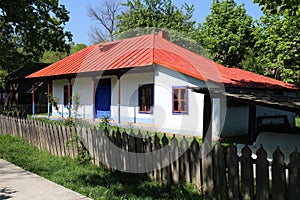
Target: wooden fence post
175,159
195,164
157,146
262,175
233,172
247,174
278,176
184,161
148,157
294,176
165,158
220,171
125,144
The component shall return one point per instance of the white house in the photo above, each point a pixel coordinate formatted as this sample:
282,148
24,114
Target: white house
153,82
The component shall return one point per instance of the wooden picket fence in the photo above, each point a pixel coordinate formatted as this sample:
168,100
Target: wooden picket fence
218,174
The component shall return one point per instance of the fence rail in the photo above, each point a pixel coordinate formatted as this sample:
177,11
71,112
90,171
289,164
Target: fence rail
220,173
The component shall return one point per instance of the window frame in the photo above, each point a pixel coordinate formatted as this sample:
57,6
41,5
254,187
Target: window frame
140,88
179,100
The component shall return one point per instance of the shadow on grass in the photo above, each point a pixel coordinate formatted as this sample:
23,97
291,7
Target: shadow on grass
138,185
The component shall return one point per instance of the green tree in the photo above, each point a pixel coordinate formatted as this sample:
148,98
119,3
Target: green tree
29,28
278,46
227,33
155,13
279,6
54,56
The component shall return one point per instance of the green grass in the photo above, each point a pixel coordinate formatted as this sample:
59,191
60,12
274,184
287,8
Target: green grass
95,182
297,121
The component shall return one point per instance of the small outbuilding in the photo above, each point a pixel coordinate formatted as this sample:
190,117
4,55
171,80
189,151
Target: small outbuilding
152,82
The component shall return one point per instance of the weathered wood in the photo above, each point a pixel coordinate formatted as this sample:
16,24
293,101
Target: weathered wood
262,175
132,150
140,153
247,180
157,159
207,175
119,156
220,171
233,172
278,176
294,176
165,158
125,144
148,156
184,161
195,164
175,160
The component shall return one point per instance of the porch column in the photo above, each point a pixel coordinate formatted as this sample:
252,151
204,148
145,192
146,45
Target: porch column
33,106
93,98
252,123
119,99
69,96
49,98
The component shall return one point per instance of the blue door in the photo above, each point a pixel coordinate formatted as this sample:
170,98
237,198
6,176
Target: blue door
103,98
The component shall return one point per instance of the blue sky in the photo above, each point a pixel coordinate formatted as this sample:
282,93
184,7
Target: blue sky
80,23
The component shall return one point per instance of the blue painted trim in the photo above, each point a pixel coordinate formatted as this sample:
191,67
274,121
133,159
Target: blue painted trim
49,106
33,109
135,120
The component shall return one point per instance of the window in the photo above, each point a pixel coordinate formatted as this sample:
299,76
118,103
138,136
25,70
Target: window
66,95
146,98
180,100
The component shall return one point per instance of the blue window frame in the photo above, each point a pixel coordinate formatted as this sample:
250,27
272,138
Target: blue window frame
180,100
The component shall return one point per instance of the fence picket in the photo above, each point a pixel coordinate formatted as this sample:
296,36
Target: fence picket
278,176
262,175
294,176
220,170
247,180
233,172
217,172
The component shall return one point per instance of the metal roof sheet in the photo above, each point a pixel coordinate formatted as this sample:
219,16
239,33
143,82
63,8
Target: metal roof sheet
154,49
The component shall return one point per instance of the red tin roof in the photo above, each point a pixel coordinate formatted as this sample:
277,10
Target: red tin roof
154,49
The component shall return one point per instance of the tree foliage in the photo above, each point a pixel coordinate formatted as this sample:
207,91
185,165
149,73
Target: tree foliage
278,46
156,13
280,6
54,56
227,33
30,27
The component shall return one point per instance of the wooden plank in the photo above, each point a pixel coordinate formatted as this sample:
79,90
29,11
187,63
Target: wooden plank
184,165
294,176
278,176
247,180
119,157
157,159
220,171
195,164
175,160
165,158
140,154
132,149
233,172
207,175
125,144
262,175
149,157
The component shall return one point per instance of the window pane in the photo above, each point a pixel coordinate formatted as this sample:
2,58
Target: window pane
183,106
175,106
175,92
145,98
183,91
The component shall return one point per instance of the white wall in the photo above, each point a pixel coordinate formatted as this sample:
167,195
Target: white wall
129,109
165,119
236,122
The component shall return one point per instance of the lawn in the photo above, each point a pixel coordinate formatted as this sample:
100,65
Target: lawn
94,182
297,121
